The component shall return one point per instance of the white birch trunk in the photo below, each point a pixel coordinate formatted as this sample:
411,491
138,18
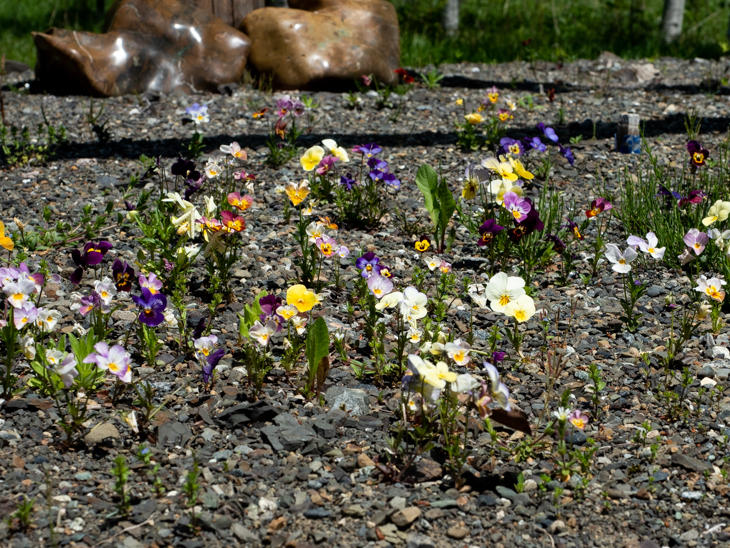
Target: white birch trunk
672,20
451,17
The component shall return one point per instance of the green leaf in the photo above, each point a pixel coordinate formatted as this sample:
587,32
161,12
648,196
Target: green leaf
427,181
318,342
318,349
251,313
446,203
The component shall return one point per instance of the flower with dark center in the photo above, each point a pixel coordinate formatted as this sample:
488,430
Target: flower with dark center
151,306
91,255
488,231
123,274
697,154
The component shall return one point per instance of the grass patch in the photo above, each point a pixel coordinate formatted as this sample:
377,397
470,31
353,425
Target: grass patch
506,30
19,19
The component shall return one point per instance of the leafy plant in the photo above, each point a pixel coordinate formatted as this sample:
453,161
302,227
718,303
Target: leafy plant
317,350
438,200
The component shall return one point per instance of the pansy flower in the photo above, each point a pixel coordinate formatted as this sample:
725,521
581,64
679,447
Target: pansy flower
151,306
598,206
511,146
474,118
567,153
422,244
122,274
578,419
369,150
198,112
5,241
151,282
697,154
311,158
367,264
326,245
534,143
492,95
336,151
548,132
404,76
235,150
326,164
517,206
696,240
91,255
524,228
718,212
347,181
297,192
262,332
502,290
234,223
711,287
647,246
379,285
575,229
302,298
25,315
241,203
619,260
115,359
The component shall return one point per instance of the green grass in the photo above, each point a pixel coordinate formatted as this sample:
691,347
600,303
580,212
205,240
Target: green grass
18,18
507,30
491,30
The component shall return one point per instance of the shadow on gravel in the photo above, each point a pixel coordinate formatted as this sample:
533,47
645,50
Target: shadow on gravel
131,148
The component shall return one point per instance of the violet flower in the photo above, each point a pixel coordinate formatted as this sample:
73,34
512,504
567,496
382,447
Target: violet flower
512,146
152,307
368,264
114,358
696,240
548,132
368,150
92,255
122,274
534,143
347,181
488,230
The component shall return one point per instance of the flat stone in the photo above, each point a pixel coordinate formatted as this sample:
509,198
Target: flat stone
173,433
100,433
691,463
351,400
457,532
404,518
418,540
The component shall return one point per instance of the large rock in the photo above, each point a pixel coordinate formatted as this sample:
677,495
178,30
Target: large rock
324,43
151,45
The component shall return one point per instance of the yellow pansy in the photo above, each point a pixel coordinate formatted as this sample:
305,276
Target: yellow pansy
312,157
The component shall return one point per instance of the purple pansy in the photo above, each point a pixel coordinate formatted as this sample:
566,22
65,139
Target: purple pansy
488,230
152,307
368,264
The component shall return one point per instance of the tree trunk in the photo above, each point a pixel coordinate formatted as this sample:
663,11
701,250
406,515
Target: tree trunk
451,17
672,20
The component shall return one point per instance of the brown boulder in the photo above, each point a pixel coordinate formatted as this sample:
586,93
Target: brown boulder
161,46
324,42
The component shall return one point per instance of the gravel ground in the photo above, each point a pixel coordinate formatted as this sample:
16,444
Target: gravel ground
284,471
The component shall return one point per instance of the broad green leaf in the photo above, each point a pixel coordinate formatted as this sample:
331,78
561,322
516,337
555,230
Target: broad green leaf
318,343
427,180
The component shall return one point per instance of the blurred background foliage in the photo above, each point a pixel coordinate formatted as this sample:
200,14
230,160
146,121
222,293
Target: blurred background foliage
489,30
557,30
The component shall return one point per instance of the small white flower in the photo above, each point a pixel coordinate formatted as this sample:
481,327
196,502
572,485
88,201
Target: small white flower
502,290
620,260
